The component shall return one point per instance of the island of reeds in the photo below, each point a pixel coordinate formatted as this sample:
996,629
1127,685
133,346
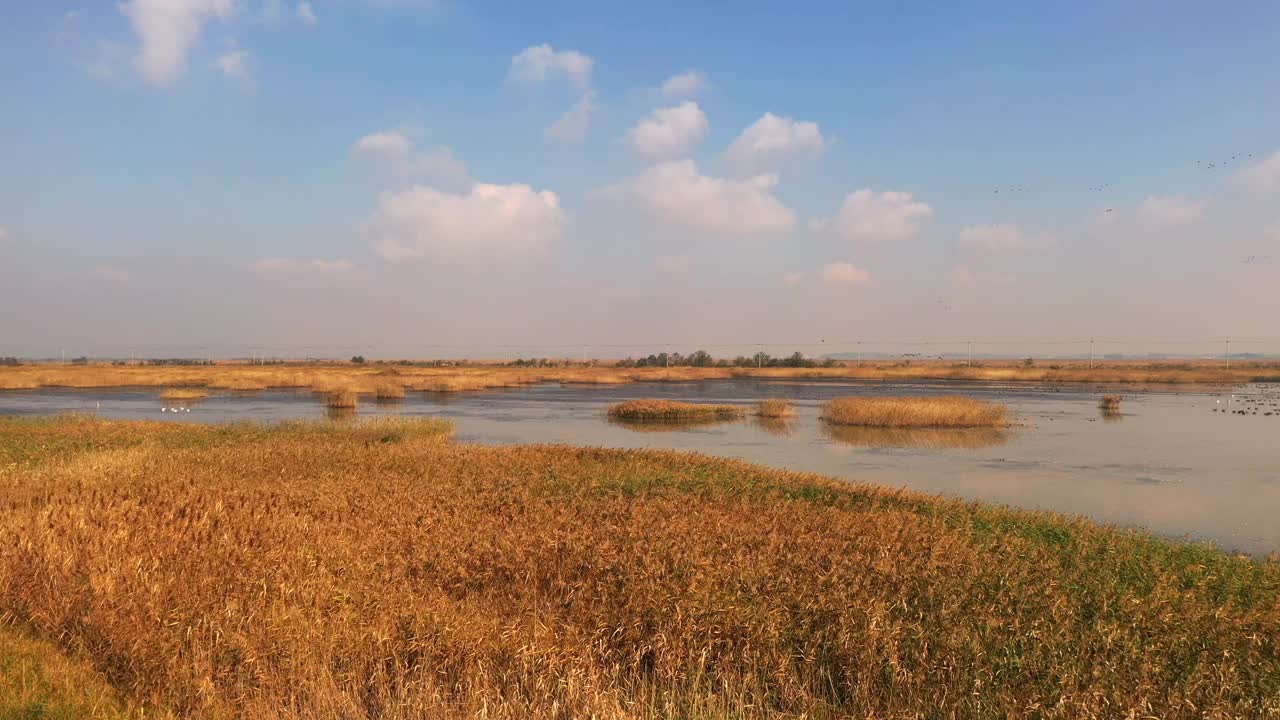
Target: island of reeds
916,412
649,410
375,569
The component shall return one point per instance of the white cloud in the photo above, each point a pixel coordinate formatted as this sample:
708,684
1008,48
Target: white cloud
235,64
1262,176
675,264
299,266
669,132
395,150
676,193
868,216
1168,212
306,14
534,65
842,273
167,30
793,279
576,122
773,140
489,221
685,84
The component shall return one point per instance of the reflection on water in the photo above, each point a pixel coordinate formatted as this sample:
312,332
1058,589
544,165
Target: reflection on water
666,426
925,438
1173,465
781,427
1111,414
340,413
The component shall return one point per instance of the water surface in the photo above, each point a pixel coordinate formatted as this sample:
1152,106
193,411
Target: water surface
1181,463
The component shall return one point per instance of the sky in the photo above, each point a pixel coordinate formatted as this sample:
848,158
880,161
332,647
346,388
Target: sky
423,178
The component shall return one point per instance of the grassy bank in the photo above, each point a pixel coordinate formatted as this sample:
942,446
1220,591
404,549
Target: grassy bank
366,379
375,569
673,411
916,412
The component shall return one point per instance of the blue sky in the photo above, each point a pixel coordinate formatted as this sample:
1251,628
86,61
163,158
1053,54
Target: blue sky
338,172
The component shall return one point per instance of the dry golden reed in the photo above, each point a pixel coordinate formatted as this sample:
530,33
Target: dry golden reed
341,399
388,392
915,412
775,408
651,410
376,570
1110,402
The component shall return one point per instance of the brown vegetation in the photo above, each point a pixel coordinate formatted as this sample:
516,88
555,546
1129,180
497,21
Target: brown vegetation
365,377
341,399
915,412
775,408
1110,402
925,438
652,410
370,570
388,392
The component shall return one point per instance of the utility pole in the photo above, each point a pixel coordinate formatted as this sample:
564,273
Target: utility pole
859,353
64,357
968,354
1228,353
1090,353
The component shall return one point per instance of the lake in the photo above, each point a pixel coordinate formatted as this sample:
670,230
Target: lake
1180,462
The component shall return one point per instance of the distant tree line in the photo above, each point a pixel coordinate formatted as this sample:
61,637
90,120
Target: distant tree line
10,361
702,358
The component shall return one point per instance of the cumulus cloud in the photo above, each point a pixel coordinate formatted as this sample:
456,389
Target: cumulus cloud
1169,212
576,122
235,64
167,30
489,221
841,273
868,216
535,64
396,152
676,193
669,132
300,266
772,141
1263,176
686,84
675,264
793,279
306,14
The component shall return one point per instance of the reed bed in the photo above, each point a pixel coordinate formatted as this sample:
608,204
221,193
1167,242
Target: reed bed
244,377
915,412
388,392
184,394
379,571
1110,403
342,399
650,410
775,408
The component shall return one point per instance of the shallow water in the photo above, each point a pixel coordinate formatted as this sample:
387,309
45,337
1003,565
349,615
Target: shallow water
1181,463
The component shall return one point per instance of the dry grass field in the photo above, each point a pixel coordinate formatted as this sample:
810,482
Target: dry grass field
366,379
916,412
378,570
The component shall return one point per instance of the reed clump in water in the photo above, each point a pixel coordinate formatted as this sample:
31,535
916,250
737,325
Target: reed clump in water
341,399
446,580
1110,403
651,410
917,412
775,408
184,394
388,392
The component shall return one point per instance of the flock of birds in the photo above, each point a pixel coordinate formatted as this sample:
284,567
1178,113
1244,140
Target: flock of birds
1267,405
